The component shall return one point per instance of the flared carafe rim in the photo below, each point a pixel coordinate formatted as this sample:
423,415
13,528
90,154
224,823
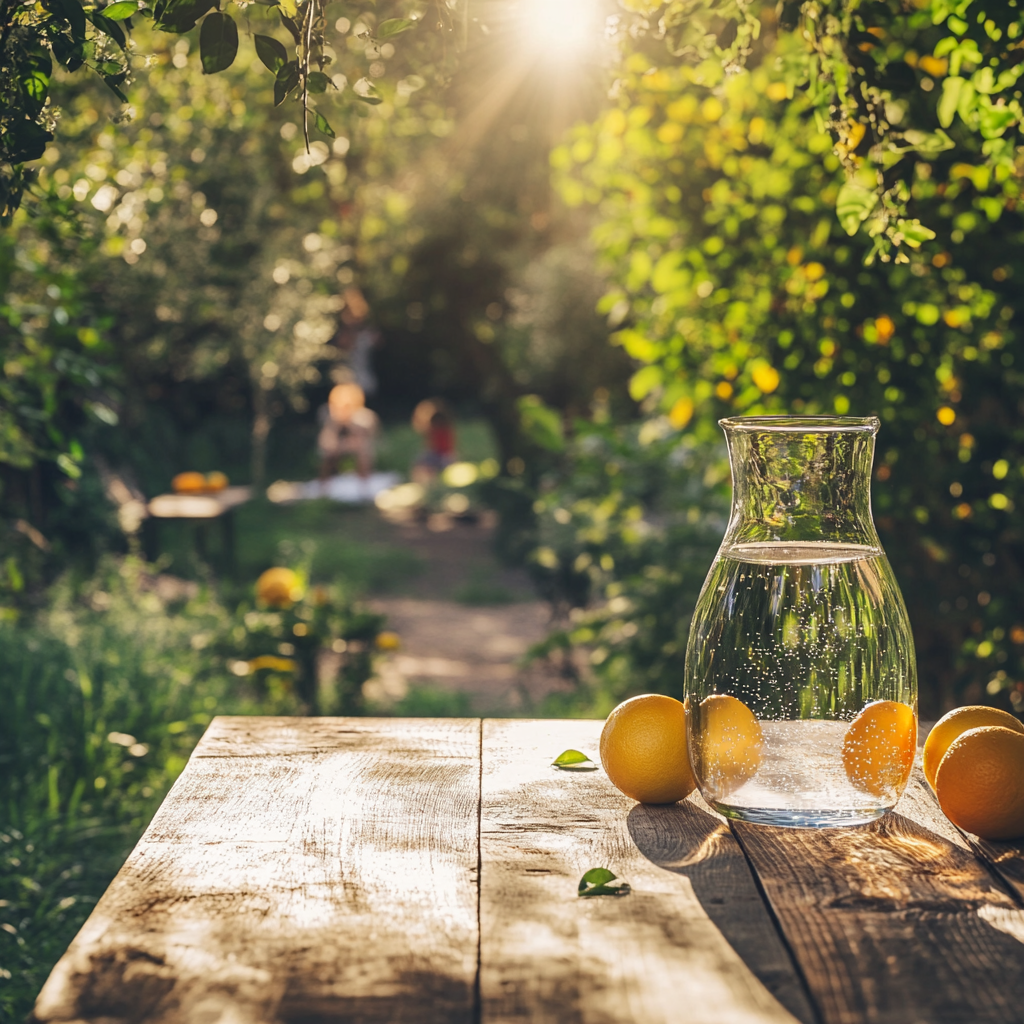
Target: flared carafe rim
801,424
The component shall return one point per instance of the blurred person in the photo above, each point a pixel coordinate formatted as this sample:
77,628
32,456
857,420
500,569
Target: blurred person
433,422
347,427
358,337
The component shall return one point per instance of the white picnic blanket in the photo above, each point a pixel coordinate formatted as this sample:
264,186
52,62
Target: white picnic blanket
349,488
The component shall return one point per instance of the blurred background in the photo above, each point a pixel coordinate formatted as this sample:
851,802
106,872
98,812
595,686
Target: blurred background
550,256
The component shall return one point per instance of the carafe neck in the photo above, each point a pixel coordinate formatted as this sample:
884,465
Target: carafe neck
801,480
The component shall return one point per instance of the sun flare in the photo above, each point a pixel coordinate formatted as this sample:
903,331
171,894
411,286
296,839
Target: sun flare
560,28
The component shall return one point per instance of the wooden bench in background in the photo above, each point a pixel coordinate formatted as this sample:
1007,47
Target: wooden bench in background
317,870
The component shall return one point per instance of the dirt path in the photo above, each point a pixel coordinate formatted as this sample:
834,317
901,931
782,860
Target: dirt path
465,622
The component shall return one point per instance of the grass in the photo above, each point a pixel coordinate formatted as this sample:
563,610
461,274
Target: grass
481,589
344,543
428,701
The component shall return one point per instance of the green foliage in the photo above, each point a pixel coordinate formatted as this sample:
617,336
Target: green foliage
77,35
52,347
104,694
426,701
283,650
626,531
736,289
869,75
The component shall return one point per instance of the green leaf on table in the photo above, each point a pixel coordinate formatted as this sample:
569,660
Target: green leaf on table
391,27
574,761
597,882
120,11
321,124
218,42
271,52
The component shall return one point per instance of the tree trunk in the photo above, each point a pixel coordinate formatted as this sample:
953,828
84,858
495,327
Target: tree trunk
261,424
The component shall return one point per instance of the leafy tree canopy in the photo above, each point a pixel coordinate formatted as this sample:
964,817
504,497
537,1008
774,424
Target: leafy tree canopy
311,59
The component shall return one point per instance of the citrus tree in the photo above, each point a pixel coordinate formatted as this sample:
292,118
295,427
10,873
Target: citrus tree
776,244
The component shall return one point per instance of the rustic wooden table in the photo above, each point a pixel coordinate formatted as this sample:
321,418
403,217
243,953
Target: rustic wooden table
307,871
199,509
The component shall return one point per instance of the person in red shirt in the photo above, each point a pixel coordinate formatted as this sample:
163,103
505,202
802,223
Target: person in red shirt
432,420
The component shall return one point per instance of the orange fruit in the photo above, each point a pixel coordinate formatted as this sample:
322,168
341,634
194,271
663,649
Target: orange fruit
216,481
878,750
279,588
954,724
643,749
731,743
387,640
189,483
980,782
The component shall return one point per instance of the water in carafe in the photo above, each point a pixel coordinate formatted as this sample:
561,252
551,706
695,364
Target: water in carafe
800,675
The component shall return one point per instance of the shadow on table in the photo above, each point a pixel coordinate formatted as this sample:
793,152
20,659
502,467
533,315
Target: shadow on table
687,840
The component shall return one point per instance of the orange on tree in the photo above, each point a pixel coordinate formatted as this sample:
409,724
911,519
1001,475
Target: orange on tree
279,588
731,743
189,483
643,749
954,724
878,750
980,782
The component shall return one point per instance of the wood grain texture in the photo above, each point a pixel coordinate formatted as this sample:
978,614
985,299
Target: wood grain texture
692,942
897,921
300,871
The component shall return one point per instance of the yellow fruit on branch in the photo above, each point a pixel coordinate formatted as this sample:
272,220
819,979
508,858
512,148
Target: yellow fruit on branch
216,481
980,782
279,588
955,724
643,749
878,750
189,483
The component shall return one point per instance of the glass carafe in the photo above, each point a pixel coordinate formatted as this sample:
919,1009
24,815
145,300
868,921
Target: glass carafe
801,683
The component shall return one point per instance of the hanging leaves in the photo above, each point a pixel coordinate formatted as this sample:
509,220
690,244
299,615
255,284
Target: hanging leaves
317,82
120,11
218,42
321,124
287,79
391,27
271,52
180,16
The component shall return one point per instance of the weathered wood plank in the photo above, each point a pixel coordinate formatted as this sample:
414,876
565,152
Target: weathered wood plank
692,942
300,871
897,921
